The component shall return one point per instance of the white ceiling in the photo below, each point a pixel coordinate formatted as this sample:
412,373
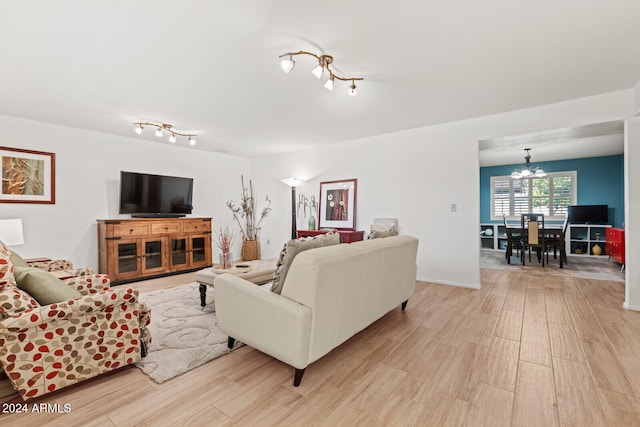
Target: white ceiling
211,67
593,140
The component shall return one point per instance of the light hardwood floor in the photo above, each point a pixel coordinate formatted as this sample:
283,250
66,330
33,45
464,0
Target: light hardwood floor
527,349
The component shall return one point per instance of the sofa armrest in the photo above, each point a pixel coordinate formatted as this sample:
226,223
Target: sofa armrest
54,265
89,284
109,301
84,271
264,320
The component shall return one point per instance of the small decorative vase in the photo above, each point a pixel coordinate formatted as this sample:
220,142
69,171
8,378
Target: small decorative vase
597,250
312,223
250,250
225,261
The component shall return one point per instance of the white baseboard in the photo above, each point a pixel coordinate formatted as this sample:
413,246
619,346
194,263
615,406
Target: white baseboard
445,282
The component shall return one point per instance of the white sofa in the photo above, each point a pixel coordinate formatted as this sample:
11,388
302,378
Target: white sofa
329,294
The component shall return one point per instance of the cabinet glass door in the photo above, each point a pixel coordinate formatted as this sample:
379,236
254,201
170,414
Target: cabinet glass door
152,254
198,249
178,251
127,257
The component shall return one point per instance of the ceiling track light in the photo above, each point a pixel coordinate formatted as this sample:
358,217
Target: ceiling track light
139,126
324,61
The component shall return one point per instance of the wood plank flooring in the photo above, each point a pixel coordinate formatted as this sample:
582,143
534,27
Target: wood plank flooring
525,350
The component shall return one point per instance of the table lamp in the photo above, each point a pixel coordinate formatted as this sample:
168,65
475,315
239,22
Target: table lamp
11,232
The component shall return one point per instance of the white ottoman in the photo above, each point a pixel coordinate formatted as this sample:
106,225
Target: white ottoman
260,271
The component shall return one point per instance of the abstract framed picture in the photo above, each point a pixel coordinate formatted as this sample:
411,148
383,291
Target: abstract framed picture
27,176
337,207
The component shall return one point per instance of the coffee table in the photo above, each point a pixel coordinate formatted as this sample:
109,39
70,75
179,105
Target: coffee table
259,271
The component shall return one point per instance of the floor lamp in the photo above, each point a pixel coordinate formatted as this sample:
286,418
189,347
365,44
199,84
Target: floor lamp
293,183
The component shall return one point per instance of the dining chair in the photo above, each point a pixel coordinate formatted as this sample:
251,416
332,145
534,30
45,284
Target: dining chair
513,240
533,235
557,241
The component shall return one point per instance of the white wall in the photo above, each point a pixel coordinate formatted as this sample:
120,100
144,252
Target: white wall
636,99
416,175
88,166
632,212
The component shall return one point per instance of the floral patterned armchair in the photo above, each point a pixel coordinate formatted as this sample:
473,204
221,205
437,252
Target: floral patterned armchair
44,348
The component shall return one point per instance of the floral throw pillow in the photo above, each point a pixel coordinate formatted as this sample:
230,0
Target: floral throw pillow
14,301
6,266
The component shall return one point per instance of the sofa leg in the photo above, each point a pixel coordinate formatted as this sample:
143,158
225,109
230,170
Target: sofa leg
143,348
230,342
298,377
404,305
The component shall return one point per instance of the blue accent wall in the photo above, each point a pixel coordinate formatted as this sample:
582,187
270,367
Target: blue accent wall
600,182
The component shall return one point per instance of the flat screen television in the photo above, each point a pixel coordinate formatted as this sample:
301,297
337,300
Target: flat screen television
146,196
588,214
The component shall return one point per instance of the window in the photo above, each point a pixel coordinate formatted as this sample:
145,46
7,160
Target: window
550,195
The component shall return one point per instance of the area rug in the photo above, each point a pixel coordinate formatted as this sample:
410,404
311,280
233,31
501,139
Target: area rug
587,267
184,335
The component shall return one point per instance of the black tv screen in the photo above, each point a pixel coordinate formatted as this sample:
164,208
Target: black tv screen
146,195
588,214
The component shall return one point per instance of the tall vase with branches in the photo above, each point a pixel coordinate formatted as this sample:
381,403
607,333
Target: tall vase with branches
309,203
246,210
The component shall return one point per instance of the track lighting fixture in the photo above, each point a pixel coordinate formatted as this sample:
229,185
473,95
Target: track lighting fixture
352,89
139,126
329,84
324,61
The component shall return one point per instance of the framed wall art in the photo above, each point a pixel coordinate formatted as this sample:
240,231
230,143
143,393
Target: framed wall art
27,176
337,207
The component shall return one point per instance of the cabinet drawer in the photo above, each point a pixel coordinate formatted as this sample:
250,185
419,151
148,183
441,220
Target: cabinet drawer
165,228
196,227
125,230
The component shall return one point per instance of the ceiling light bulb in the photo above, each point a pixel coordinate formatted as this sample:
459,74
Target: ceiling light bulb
329,84
317,72
138,129
172,138
526,173
352,89
540,173
516,175
159,133
192,141
287,64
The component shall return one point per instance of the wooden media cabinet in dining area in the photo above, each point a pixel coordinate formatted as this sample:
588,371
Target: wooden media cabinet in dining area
134,249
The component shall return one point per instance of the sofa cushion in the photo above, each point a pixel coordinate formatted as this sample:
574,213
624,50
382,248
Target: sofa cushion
293,248
43,286
17,260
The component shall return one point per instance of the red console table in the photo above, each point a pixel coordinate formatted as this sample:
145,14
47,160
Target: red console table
615,244
346,236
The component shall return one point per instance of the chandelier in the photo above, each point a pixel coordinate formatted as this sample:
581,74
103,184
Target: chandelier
527,172
324,61
164,127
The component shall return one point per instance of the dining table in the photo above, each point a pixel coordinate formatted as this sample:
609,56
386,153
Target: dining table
550,231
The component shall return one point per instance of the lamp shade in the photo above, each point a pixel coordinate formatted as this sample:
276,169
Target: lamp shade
11,232
287,64
291,182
